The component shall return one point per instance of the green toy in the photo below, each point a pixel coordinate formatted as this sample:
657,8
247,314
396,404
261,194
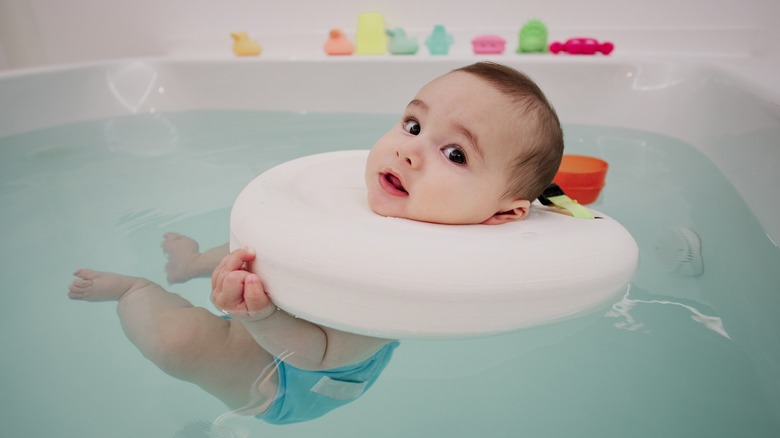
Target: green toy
439,41
400,44
532,37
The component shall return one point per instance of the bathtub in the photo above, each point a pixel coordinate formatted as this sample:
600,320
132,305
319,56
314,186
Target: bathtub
713,109
70,372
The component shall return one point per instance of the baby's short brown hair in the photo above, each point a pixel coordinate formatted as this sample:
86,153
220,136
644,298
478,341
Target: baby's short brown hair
540,142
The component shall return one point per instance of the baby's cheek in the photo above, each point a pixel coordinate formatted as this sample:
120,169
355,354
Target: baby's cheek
445,206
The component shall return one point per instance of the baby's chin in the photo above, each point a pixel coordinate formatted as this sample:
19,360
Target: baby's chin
417,216
381,211
387,212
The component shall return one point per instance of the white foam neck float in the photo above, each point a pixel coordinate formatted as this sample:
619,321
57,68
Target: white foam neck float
324,256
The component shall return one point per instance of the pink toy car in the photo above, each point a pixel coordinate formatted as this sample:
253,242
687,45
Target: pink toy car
582,46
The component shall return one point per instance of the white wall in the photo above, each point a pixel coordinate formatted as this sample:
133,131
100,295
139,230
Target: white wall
45,32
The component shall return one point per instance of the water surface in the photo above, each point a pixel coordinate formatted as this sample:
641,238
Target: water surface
677,356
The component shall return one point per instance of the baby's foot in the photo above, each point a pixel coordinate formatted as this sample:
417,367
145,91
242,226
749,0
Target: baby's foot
183,253
102,286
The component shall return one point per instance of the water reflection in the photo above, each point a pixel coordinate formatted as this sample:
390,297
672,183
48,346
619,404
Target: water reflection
656,76
133,84
622,309
136,87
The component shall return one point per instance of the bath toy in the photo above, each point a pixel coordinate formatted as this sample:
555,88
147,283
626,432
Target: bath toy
245,46
554,196
488,44
327,258
581,177
338,44
532,37
371,38
582,46
400,44
439,41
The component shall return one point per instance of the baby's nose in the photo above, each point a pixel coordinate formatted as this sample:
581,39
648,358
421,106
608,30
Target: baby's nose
405,157
411,154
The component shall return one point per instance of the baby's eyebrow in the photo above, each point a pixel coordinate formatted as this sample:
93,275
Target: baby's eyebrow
417,103
472,139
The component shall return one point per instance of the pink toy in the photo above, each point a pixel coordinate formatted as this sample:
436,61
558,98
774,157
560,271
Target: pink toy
582,46
488,44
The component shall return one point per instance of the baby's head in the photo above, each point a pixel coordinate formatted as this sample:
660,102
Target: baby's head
475,145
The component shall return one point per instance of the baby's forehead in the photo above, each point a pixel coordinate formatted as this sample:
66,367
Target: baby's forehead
476,90
491,116
458,78
465,88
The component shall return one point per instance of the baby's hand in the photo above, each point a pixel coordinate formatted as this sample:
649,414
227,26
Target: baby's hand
237,292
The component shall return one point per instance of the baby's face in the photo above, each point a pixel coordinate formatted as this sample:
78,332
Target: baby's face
448,159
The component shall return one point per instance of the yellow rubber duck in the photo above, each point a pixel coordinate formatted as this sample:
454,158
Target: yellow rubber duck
245,46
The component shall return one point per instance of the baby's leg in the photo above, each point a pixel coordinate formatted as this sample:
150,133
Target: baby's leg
183,253
103,286
185,261
189,343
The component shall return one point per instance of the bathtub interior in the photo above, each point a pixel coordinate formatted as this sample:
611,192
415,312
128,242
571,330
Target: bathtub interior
690,100
680,104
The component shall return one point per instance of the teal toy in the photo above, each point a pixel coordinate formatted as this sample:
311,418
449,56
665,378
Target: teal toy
532,37
400,44
439,41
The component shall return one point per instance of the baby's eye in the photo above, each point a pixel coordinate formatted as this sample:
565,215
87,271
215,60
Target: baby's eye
454,154
412,127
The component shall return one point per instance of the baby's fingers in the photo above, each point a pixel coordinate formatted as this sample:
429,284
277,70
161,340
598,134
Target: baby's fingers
234,261
229,292
254,294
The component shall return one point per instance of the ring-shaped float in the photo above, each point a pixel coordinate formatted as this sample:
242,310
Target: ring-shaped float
324,256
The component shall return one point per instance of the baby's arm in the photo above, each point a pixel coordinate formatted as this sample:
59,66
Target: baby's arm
185,261
240,294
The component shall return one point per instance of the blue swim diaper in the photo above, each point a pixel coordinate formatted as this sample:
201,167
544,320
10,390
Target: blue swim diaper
305,395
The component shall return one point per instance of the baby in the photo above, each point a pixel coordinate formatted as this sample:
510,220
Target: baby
474,146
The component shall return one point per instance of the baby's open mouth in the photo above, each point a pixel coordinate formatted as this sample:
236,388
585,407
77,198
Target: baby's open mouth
393,183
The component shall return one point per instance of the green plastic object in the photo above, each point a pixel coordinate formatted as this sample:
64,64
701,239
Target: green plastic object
532,38
570,205
400,44
371,38
439,41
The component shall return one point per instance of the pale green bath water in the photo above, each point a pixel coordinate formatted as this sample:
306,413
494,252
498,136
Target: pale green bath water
678,356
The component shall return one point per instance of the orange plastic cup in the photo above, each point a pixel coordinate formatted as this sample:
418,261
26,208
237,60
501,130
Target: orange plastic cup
581,177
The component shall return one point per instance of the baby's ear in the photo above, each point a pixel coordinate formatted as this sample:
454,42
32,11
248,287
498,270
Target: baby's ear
517,212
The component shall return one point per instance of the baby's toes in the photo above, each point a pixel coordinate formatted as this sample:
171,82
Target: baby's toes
80,284
79,288
170,238
175,242
86,274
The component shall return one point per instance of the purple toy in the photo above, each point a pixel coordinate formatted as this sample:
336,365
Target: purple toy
582,46
488,44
